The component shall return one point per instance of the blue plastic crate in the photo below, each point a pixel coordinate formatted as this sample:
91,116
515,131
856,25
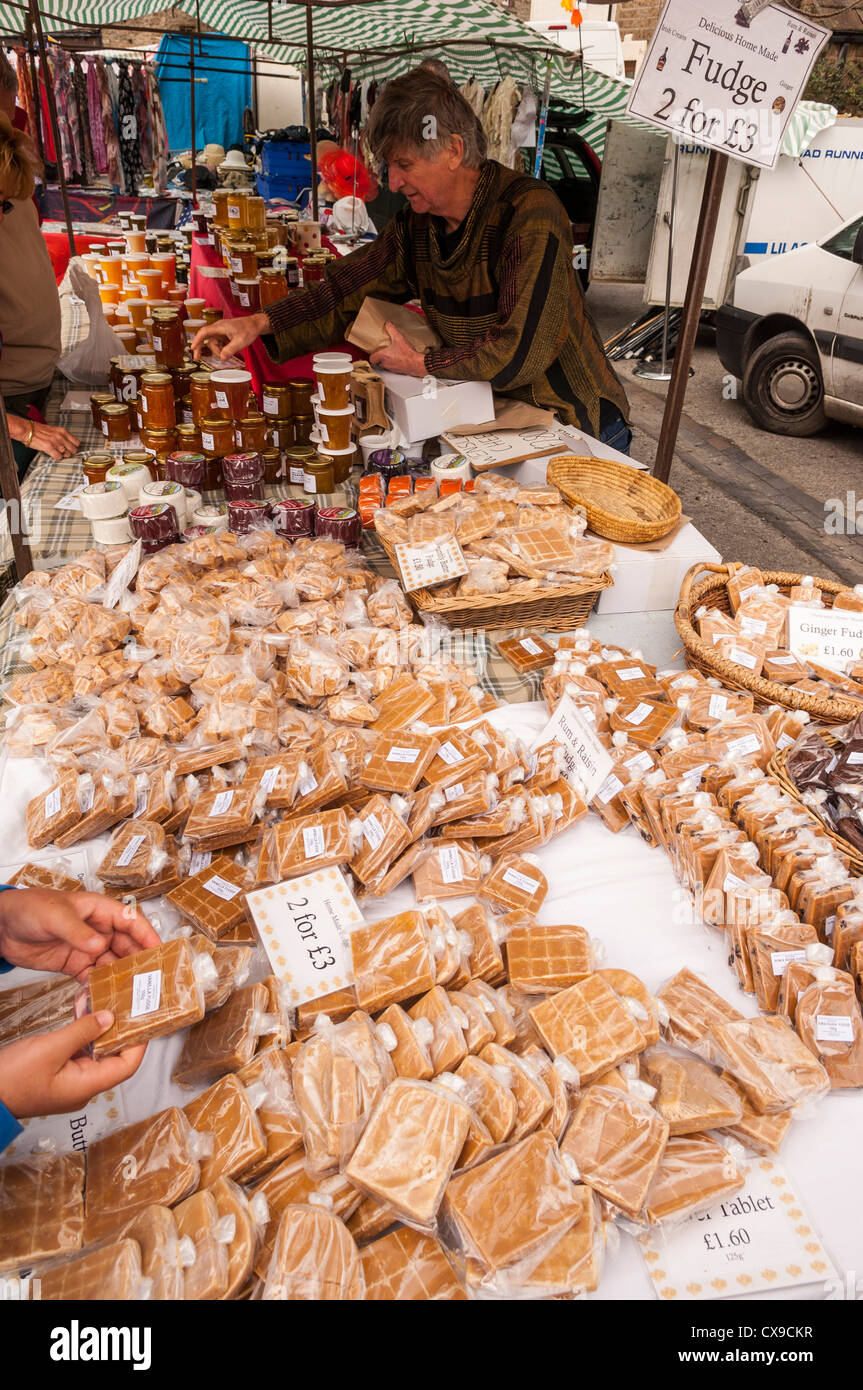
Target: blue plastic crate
281,159
289,188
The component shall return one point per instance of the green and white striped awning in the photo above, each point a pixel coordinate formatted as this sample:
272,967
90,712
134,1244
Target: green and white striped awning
383,38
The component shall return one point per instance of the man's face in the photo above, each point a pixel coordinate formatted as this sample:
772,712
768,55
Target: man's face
426,183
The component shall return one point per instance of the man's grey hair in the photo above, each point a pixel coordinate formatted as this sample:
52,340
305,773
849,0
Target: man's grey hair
421,111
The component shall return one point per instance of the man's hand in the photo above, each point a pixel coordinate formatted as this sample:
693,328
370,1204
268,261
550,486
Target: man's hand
45,1076
399,356
52,440
239,333
42,929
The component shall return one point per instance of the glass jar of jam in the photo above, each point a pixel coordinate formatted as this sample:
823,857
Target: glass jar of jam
200,396
250,434
189,441
157,403
249,293
182,378
237,210
303,426
96,402
313,270
302,389
211,315
296,459
243,261
159,441
318,475
220,206
96,466
217,436
292,272
138,458
276,401
126,373
169,343
273,286
256,213
116,422
266,258
280,434
274,464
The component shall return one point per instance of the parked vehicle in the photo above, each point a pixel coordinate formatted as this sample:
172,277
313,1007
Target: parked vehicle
792,332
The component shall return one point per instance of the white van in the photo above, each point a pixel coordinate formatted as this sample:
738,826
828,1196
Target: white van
599,38
792,332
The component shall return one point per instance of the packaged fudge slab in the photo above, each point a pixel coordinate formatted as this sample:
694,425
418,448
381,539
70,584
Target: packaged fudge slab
151,994
41,1209
152,1162
615,1144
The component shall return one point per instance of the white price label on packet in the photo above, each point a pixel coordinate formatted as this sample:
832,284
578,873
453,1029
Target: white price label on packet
52,803
403,755
146,993
268,779
450,865
638,715
221,888
421,566
519,880
201,859
313,841
130,851
373,831
834,1028
222,803
450,754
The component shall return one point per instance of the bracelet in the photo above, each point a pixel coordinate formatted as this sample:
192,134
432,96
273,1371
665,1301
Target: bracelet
29,438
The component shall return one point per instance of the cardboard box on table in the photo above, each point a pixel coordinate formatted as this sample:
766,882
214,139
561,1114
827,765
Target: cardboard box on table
421,412
649,580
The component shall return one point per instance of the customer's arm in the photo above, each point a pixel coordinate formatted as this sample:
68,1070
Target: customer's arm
312,318
52,440
536,280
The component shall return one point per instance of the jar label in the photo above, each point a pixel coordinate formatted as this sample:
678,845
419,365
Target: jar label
244,299
271,405
157,343
298,475
222,400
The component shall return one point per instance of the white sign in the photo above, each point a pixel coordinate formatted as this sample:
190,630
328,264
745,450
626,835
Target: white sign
761,1238
827,638
432,563
586,763
730,82
305,925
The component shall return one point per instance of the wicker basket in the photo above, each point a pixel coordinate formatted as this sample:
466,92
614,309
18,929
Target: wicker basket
560,609
778,769
710,590
621,503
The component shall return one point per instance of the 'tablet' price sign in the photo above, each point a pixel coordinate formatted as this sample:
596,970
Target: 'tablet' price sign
730,82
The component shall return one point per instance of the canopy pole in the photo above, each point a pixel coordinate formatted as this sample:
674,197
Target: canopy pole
11,492
192,117
707,220
312,114
34,80
52,118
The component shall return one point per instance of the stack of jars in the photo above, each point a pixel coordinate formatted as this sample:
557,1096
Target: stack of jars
334,413
134,280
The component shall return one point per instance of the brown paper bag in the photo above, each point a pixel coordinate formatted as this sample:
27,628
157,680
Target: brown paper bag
510,415
368,330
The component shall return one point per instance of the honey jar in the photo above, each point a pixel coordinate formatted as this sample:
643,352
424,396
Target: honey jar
318,475
217,436
296,459
236,206
303,426
157,401
273,286
276,401
211,315
249,293
96,466
189,441
169,343
274,464
220,206
157,441
200,396
243,261
96,402
302,388
116,422
250,434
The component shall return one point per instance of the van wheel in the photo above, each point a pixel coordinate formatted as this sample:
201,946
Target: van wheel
783,388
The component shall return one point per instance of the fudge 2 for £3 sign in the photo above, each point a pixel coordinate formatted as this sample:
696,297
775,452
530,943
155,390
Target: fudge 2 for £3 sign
729,81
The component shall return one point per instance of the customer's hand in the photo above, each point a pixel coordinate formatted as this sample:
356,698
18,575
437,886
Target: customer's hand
52,440
42,929
399,356
239,333
45,1076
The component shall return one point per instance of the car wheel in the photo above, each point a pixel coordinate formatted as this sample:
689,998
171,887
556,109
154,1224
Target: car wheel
783,388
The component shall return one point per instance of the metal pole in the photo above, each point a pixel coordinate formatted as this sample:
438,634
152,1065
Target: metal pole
11,491
708,218
646,370
192,114
313,117
52,117
37,99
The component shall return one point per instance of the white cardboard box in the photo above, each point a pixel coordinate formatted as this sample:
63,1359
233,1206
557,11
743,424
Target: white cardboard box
422,407
650,580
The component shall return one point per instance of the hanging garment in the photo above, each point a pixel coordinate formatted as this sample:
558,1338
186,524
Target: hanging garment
142,112
128,131
523,132
26,99
109,127
94,113
497,115
158,130
85,145
474,95
66,81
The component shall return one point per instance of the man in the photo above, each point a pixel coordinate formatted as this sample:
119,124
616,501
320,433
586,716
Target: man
488,252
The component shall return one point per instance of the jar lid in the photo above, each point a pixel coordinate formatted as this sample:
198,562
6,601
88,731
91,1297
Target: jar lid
212,422
155,378
103,396
97,459
200,377
115,409
163,315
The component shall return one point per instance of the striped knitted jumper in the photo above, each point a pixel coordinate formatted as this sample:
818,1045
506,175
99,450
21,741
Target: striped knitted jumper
504,300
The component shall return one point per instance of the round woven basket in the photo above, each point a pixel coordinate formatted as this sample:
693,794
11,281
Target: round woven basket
777,768
710,591
621,503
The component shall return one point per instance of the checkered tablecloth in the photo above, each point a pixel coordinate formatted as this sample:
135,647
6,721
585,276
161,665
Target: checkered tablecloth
57,534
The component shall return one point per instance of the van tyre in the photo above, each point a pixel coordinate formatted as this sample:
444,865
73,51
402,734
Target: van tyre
783,388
